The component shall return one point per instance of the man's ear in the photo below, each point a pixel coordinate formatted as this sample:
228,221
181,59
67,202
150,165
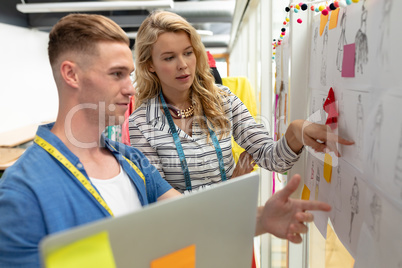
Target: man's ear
68,71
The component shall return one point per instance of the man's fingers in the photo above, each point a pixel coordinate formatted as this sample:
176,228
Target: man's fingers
304,217
298,228
314,205
290,187
294,238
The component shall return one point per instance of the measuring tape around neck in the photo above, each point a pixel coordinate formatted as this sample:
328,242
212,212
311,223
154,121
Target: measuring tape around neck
180,151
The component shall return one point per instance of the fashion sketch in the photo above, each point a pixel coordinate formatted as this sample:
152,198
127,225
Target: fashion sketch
376,210
342,42
359,125
315,41
323,77
336,194
354,205
361,42
398,166
342,118
385,31
311,182
317,183
376,136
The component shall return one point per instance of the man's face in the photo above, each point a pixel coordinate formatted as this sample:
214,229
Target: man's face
106,83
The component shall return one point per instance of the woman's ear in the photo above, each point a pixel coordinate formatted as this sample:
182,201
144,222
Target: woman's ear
68,71
151,68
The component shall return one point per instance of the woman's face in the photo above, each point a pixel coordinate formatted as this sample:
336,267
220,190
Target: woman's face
174,62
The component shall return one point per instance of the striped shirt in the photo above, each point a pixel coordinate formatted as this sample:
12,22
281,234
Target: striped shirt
150,133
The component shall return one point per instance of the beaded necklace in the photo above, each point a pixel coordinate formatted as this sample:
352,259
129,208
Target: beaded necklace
178,114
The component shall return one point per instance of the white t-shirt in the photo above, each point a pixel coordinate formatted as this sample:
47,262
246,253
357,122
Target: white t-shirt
119,193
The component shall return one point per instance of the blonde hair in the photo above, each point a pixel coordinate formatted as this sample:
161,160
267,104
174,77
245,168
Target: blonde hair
206,96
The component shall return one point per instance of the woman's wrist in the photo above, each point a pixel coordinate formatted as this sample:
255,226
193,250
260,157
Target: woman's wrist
294,135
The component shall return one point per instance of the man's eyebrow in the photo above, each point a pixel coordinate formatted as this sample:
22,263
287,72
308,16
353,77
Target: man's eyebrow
119,68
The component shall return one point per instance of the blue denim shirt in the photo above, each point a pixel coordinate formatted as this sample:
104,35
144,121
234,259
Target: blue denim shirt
39,196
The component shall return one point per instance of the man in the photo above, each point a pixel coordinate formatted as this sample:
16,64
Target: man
59,182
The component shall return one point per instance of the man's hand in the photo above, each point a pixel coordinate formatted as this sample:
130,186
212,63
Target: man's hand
285,217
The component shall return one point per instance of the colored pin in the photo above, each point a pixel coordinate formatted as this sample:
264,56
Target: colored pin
336,4
304,7
287,9
299,20
332,6
348,2
321,8
325,12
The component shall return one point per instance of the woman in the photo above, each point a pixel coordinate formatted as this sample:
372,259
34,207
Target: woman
174,84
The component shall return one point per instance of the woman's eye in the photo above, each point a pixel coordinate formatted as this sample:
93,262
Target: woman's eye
189,53
169,59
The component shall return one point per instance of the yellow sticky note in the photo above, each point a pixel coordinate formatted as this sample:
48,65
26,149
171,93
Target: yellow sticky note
328,167
333,21
91,252
183,258
305,193
323,23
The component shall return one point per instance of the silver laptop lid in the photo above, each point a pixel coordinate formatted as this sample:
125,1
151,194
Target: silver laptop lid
219,221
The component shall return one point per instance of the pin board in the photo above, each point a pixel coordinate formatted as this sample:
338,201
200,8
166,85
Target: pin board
355,54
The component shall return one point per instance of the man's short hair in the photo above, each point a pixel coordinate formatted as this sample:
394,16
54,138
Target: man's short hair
79,33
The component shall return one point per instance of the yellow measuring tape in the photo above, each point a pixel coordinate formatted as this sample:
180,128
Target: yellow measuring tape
80,177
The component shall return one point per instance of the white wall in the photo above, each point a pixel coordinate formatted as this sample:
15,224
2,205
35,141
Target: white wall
27,91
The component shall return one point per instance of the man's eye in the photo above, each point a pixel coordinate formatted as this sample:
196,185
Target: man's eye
169,59
117,74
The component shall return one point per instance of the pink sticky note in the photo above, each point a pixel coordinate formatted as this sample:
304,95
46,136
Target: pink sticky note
348,64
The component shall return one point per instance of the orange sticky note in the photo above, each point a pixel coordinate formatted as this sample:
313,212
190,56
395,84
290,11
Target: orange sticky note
333,21
183,258
323,23
328,167
305,193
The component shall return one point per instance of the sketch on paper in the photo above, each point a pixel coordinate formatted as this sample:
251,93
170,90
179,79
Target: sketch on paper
336,194
342,127
324,51
361,42
312,176
398,166
375,145
359,125
376,210
385,31
354,205
315,40
342,42
317,183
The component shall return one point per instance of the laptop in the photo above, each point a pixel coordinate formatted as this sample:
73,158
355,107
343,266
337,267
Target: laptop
213,227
